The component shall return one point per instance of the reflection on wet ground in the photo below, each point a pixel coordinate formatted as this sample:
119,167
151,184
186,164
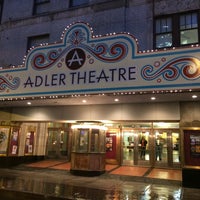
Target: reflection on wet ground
53,184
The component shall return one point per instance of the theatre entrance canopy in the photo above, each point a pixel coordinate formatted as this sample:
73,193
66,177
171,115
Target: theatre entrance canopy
83,63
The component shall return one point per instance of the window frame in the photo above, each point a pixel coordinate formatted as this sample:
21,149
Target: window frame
38,3
160,33
1,9
71,5
189,29
176,37
30,38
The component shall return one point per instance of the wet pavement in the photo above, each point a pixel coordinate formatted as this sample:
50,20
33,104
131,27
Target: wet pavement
33,183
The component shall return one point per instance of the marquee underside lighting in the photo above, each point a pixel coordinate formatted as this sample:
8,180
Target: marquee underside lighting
115,94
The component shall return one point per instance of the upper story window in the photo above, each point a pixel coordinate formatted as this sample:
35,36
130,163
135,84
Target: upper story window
40,6
37,40
1,9
164,32
189,29
177,30
74,3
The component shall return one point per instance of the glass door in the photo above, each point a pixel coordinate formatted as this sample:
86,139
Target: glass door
129,141
136,147
161,146
175,148
167,148
144,151
57,143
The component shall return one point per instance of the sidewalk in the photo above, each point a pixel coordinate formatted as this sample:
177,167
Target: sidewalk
147,174
51,179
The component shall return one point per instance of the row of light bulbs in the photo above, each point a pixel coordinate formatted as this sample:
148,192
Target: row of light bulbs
96,36
99,94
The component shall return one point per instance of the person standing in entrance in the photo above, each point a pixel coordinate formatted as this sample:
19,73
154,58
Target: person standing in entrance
158,149
143,144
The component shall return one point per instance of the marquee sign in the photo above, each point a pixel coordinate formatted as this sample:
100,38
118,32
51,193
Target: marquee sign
86,64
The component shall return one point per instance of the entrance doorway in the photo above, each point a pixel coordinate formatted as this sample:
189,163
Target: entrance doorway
57,143
150,146
136,149
167,148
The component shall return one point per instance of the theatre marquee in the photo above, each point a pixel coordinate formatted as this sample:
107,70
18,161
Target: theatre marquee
86,64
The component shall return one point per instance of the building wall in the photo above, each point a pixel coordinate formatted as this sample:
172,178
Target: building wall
190,114
134,16
105,17
164,7
40,137
149,111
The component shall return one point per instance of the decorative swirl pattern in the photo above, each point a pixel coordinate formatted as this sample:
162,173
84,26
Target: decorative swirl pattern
191,70
6,84
41,61
114,53
101,51
188,67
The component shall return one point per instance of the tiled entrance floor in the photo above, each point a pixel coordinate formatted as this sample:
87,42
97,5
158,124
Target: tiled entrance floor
169,174
45,163
155,173
130,171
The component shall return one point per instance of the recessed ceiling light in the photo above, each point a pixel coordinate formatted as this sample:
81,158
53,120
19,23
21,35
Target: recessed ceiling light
29,103
116,100
153,98
84,101
194,96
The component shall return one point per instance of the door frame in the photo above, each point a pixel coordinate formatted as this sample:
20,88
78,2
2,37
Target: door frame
151,148
169,162
136,151
58,142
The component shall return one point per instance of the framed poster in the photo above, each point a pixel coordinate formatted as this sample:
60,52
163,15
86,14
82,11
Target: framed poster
109,143
111,149
192,147
195,145
29,143
4,137
14,141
